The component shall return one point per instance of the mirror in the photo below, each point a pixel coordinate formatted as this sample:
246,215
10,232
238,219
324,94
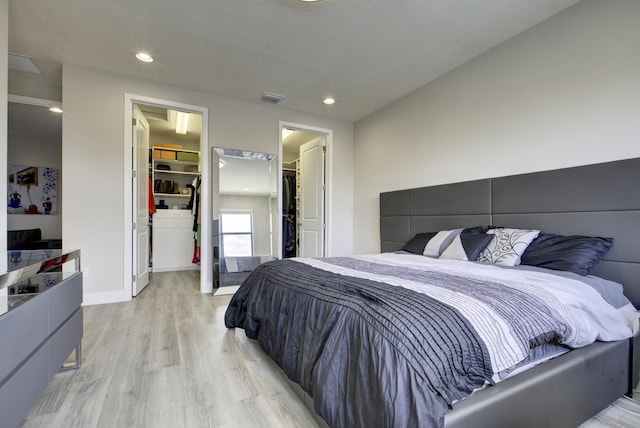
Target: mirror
245,214
34,161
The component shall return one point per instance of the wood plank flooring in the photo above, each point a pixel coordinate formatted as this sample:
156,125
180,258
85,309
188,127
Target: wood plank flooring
165,359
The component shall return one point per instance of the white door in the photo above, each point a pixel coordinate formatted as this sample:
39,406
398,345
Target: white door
312,185
140,201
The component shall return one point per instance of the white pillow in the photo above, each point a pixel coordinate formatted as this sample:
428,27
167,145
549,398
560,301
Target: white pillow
438,243
508,246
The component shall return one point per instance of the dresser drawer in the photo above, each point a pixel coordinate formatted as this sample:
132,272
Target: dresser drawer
173,219
64,298
22,389
176,223
22,330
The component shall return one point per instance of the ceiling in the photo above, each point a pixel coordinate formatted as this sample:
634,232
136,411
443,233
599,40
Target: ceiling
364,53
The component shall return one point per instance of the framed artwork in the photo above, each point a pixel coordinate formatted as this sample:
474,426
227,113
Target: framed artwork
32,190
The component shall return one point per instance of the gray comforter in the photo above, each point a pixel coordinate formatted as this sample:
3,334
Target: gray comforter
373,353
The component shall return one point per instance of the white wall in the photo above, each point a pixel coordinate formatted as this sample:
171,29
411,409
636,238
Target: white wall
259,207
4,73
37,152
93,166
564,93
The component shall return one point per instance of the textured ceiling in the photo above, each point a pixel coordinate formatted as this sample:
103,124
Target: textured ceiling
365,53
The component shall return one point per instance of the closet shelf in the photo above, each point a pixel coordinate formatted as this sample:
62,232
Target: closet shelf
173,195
175,172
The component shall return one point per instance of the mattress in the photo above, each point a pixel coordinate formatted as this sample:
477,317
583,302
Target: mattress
395,339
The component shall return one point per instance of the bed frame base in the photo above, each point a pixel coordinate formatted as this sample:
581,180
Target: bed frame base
590,378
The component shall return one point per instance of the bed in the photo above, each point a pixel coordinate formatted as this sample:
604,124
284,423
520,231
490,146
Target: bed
395,339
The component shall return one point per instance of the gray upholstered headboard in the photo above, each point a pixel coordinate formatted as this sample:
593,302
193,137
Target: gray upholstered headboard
594,200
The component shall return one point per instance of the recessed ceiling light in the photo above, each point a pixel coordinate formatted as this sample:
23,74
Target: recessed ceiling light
286,132
55,109
329,101
182,122
144,57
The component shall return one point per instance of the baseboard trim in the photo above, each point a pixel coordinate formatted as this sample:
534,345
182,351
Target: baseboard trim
175,269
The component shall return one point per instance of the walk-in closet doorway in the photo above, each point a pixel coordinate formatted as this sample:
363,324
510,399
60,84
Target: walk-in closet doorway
305,154
138,234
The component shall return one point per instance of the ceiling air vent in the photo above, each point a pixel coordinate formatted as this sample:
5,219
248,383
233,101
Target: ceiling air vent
22,63
269,97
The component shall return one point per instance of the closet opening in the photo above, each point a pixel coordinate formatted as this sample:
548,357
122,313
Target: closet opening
168,193
304,190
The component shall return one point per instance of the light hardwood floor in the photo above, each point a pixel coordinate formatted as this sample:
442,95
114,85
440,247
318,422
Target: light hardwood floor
165,359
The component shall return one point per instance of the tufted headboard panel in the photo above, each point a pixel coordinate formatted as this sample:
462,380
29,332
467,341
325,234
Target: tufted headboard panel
595,200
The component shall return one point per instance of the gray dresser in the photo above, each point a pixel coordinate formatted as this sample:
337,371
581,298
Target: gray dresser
40,326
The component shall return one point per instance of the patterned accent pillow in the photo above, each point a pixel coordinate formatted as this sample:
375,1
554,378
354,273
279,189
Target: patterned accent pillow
439,242
467,246
420,241
508,246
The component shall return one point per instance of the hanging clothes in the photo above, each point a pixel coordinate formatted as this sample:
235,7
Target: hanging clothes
289,192
289,214
194,204
152,202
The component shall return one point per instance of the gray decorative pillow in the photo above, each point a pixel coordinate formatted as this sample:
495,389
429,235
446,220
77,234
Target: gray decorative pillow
467,247
508,246
576,253
419,243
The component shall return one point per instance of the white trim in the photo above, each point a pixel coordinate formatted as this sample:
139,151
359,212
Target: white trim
328,133
33,101
175,269
206,262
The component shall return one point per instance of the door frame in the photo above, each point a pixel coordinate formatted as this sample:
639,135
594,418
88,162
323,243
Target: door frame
206,263
328,207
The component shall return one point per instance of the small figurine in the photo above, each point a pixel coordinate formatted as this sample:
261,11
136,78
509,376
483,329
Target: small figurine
47,205
14,200
15,257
